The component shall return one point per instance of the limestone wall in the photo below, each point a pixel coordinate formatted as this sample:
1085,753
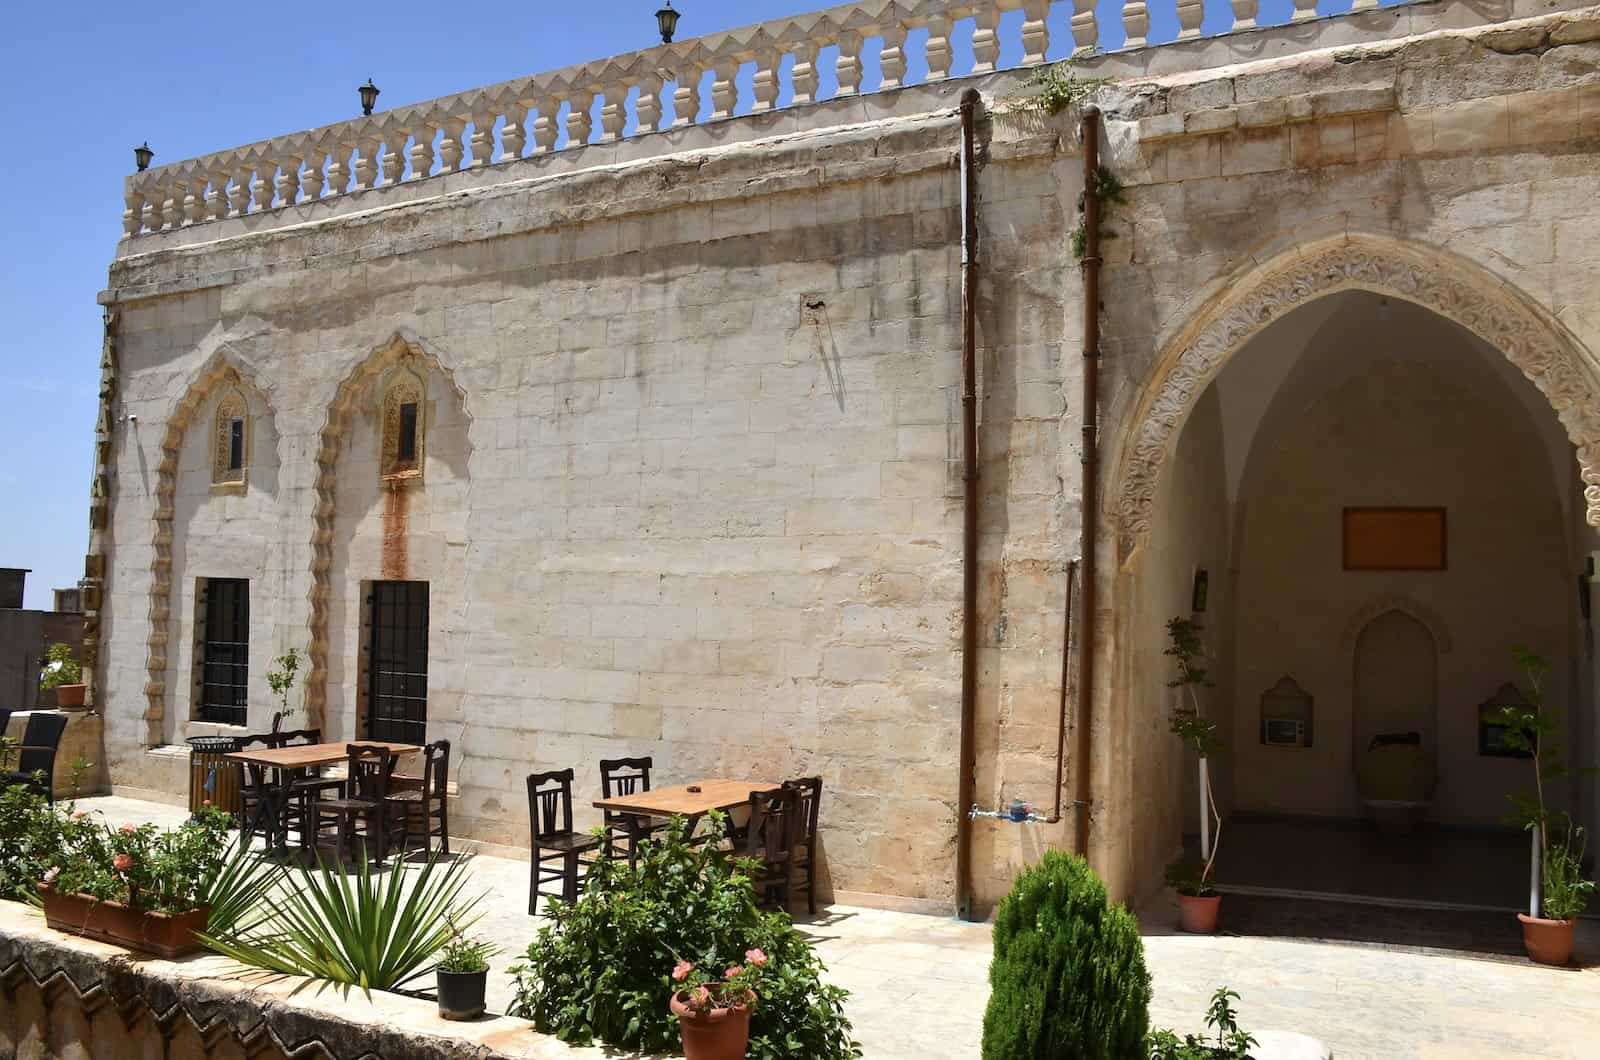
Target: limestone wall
691,487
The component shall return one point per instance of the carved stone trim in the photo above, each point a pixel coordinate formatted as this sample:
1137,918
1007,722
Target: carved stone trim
231,407
1457,290
410,356
403,387
218,374
1381,606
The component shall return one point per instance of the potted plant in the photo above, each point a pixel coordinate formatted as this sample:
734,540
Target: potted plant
463,976
281,680
714,1011
62,673
135,886
1198,901
1563,891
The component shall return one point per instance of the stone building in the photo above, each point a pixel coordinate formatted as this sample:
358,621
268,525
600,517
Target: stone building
619,410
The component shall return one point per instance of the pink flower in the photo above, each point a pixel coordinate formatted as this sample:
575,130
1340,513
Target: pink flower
80,815
50,877
122,862
681,971
700,996
756,957
731,972
127,829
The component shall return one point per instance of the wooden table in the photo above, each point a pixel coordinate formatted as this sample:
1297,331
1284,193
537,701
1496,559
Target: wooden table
286,762
678,801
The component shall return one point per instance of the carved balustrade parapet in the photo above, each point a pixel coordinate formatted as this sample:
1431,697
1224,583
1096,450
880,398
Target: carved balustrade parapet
789,61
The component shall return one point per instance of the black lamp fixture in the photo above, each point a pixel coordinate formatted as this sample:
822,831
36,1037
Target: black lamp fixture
369,96
142,156
667,20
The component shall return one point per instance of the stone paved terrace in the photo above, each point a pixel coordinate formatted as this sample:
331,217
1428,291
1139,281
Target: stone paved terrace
919,983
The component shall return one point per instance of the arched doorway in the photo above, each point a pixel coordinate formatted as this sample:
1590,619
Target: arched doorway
1358,377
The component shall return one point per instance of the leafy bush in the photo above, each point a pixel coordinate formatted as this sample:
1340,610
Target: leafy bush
60,668
1231,1043
602,969
378,934
1068,977
1566,890
30,833
140,866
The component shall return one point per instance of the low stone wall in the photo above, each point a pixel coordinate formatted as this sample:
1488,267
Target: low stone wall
66,997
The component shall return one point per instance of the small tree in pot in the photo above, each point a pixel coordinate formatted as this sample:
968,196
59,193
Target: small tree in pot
463,976
1565,891
281,679
62,673
1198,902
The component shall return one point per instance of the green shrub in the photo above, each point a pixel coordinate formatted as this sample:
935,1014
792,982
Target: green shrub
1231,1042
602,969
1068,980
60,668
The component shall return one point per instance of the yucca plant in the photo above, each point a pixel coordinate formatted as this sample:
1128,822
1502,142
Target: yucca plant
237,891
371,932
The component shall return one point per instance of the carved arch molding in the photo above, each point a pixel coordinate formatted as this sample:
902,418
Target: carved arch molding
1434,279
402,358
218,375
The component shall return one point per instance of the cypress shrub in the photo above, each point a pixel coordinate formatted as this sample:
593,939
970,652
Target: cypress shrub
1068,978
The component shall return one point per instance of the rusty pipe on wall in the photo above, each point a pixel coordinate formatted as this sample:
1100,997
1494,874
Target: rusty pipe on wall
967,780
1082,760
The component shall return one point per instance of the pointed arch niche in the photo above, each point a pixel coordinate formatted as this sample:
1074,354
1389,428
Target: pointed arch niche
233,410
396,413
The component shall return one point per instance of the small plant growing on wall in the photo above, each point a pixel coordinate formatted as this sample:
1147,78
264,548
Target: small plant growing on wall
281,678
1189,723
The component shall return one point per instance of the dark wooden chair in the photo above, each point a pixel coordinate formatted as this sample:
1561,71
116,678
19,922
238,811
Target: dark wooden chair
36,755
774,825
626,776
262,802
427,803
804,859
550,819
304,785
364,804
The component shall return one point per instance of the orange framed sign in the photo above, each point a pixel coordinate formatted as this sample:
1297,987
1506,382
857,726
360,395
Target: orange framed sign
1395,539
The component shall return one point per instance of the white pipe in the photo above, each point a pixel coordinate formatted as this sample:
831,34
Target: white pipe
1205,815
1533,872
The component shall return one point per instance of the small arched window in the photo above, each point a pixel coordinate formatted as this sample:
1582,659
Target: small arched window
231,437
404,427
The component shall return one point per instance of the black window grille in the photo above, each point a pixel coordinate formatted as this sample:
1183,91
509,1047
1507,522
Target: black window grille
406,444
236,445
225,650
397,666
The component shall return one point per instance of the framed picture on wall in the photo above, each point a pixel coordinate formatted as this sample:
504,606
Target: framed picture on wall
1393,539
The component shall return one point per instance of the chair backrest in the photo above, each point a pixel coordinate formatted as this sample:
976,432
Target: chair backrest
298,737
810,792
435,768
41,738
369,771
550,803
774,824
624,776
255,774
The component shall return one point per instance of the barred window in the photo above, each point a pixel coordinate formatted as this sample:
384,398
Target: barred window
223,616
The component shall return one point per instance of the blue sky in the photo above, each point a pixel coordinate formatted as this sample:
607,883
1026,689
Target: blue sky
83,82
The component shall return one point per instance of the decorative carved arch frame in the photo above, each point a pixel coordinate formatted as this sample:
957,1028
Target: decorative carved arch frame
1434,279
231,406
401,386
401,352
222,372
1382,605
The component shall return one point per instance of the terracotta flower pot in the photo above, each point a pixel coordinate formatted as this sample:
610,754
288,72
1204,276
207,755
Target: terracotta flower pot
461,994
1547,941
719,1034
163,934
1198,915
70,697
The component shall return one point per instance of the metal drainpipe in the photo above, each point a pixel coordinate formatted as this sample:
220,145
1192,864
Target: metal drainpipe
1066,669
1082,763
967,781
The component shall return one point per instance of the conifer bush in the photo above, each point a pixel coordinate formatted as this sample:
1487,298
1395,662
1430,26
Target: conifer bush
1068,977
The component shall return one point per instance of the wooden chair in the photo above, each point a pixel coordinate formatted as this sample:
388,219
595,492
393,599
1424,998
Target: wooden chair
262,805
626,776
550,820
36,755
364,803
774,824
426,802
805,839
304,785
